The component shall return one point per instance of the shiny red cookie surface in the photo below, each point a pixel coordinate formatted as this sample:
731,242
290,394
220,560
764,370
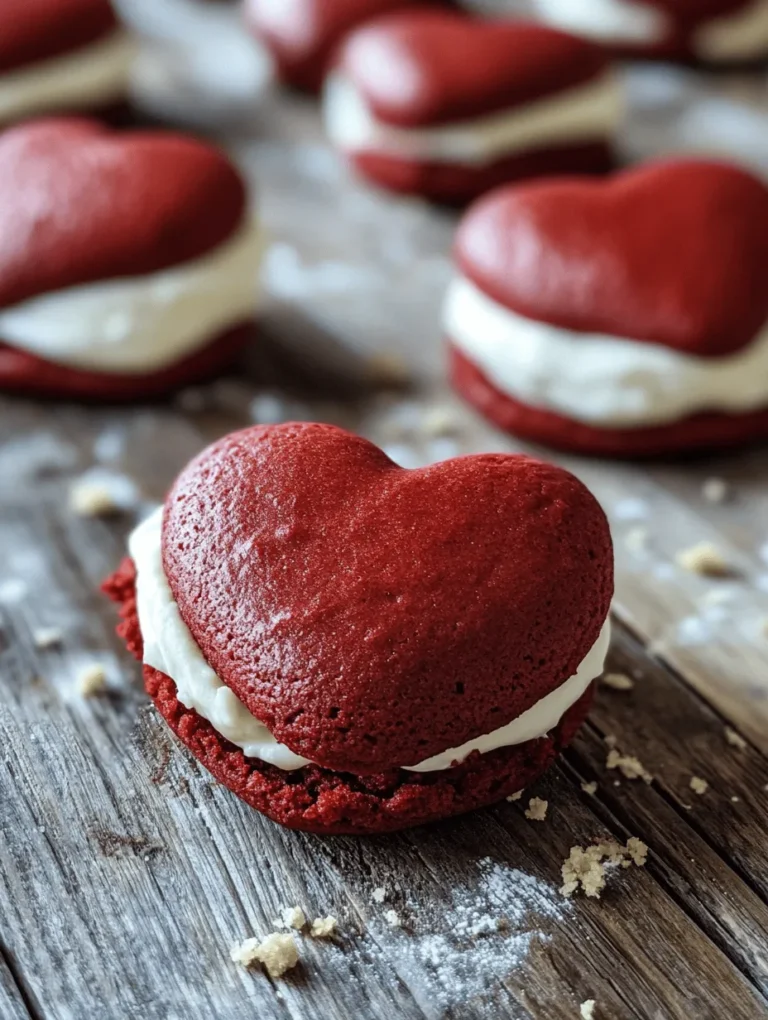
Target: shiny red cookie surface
372,616
303,35
36,30
428,68
673,253
80,203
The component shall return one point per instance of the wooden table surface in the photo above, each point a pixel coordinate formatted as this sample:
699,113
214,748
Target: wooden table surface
127,874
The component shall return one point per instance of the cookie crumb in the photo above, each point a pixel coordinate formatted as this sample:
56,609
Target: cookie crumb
610,740
388,370
276,953
638,851
705,559
393,919
438,421
699,785
379,894
629,766
590,788
294,917
516,796
618,681
735,800
587,1009
47,637
92,681
537,809
735,739
584,867
715,490
324,927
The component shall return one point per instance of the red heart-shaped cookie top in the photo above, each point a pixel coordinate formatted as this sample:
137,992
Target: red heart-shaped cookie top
80,203
372,616
428,67
674,253
32,30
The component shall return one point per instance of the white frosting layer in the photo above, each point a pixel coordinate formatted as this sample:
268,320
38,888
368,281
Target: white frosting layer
739,36
625,21
89,77
143,323
170,647
588,112
603,380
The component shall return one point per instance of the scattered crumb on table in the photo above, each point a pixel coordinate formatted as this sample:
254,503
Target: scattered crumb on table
699,785
590,788
379,894
276,953
47,637
515,796
392,918
587,1009
715,490
618,681
324,927
294,917
705,559
629,766
734,739
537,809
92,680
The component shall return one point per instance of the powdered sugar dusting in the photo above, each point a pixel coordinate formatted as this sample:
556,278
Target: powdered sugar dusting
449,954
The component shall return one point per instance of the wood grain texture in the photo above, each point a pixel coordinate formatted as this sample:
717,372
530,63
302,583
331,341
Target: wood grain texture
127,873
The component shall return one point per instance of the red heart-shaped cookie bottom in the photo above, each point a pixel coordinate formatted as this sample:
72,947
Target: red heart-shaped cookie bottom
674,253
371,616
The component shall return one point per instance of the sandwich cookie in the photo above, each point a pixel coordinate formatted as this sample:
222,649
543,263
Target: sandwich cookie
620,317
128,262
728,32
301,35
354,647
61,56
437,104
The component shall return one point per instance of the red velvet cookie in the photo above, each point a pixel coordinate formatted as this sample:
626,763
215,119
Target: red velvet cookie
438,104
302,35
628,316
127,261
61,56
373,625
726,32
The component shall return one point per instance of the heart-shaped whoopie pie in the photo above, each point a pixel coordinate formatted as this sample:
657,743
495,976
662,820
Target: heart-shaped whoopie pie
673,253
372,617
80,203
447,106
620,316
302,35
36,30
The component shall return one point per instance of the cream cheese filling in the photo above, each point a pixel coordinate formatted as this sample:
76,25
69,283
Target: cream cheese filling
88,77
587,112
170,648
141,324
607,381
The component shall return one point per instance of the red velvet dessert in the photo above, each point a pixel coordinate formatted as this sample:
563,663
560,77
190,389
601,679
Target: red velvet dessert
353,647
727,32
61,56
627,317
127,261
438,104
302,35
